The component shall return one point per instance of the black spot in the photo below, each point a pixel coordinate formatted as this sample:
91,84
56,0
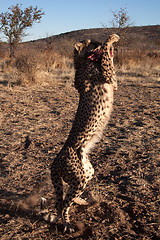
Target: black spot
100,93
79,153
71,196
105,90
59,198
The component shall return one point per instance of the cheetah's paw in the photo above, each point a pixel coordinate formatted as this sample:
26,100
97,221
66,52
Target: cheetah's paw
69,228
80,201
47,216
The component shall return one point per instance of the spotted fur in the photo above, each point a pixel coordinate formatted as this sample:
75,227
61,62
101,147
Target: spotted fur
95,81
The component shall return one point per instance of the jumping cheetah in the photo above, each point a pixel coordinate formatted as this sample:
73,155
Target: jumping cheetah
95,81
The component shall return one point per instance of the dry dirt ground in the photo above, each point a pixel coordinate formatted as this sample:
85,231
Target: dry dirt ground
35,121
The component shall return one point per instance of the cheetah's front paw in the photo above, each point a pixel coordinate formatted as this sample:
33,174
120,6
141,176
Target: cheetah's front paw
47,216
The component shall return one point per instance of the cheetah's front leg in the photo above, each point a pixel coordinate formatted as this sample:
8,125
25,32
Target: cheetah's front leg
53,216
47,216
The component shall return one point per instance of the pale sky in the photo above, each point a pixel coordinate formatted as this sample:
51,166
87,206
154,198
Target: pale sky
67,15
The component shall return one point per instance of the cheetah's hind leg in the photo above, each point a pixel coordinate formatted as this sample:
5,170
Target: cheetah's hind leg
80,201
74,192
88,201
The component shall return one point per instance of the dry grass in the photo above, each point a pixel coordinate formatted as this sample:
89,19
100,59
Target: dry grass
30,67
35,119
39,67
138,63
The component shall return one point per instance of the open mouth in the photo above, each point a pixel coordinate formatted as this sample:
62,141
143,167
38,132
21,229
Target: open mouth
95,55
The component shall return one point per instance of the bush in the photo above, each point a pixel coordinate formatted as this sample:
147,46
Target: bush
27,67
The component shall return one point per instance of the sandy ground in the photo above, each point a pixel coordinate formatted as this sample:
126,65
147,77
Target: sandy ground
35,121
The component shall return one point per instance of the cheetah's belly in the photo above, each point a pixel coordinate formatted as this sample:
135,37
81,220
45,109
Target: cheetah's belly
87,166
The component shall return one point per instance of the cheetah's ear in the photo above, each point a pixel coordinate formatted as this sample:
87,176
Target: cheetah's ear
79,45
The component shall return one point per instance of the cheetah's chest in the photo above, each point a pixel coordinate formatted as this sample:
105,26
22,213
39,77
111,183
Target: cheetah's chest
100,116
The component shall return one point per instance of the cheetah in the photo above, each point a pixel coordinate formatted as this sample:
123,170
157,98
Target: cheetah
95,81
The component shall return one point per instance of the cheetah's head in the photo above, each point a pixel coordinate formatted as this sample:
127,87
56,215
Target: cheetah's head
93,62
88,49
94,50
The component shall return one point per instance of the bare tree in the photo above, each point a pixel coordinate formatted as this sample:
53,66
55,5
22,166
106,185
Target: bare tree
121,21
121,18
14,23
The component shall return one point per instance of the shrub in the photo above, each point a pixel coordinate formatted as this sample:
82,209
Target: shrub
27,67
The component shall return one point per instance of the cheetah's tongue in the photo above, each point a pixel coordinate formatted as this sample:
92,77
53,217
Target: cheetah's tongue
95,55
111,53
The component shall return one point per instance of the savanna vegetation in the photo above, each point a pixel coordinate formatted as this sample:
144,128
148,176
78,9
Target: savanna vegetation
38,104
